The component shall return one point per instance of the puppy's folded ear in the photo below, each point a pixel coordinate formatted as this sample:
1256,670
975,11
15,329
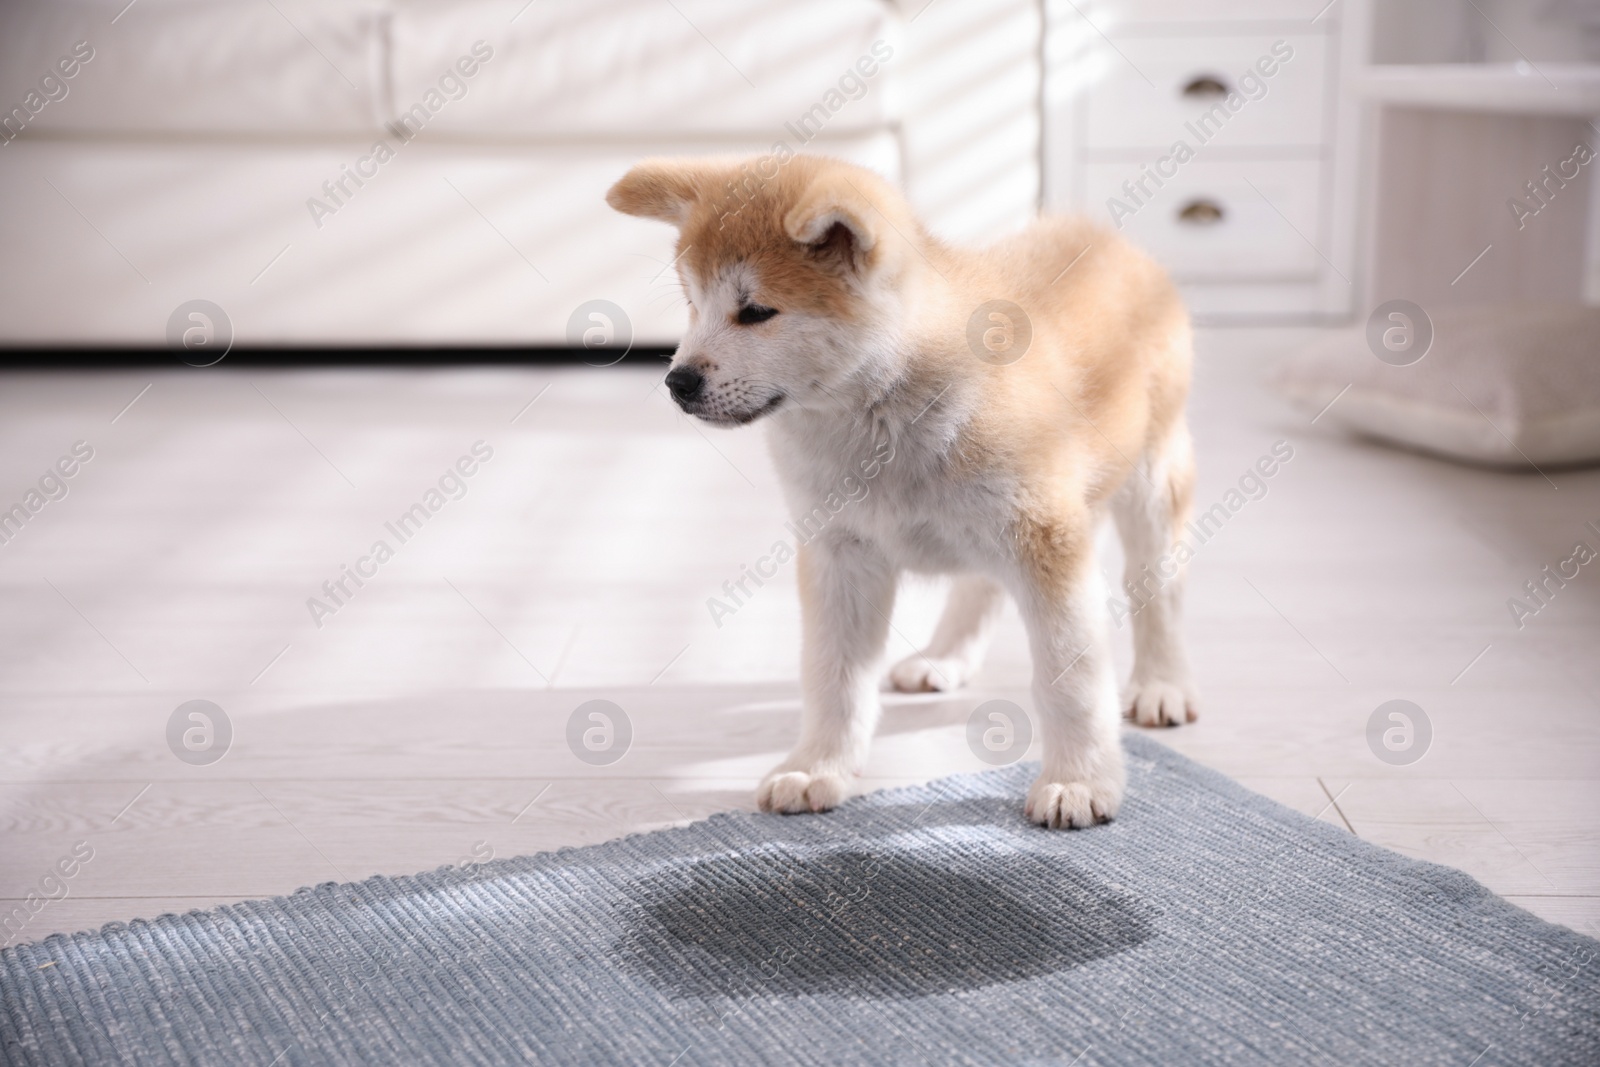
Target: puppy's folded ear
664,189
837,222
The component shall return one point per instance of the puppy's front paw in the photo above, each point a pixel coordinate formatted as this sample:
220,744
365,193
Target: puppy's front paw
796,791
1156,703
929,674
1076,804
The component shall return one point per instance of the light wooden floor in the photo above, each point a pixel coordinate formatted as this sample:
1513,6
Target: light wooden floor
423,723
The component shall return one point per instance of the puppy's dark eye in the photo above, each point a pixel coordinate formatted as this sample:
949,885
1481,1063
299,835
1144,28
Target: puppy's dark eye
751,314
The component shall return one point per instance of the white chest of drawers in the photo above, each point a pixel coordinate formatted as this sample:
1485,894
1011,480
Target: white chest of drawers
1217,136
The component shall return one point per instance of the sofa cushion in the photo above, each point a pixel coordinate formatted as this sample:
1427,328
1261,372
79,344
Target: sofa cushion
194,66
608,68
452,244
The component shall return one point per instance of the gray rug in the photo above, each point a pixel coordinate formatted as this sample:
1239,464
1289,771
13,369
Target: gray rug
1207,925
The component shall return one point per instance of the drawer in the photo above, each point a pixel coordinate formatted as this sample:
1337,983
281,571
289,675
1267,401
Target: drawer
1187,94
1207,224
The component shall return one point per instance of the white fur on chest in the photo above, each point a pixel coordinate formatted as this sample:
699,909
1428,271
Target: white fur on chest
896,487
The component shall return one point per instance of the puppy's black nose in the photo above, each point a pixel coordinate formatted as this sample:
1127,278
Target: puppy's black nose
685,383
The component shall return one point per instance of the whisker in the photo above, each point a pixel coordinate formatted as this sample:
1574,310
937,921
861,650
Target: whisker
662,301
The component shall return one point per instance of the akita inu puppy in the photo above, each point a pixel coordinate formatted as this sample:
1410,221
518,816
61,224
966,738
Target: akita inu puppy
1022,390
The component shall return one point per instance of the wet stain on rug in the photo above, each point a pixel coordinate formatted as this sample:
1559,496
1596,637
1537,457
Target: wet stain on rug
876,925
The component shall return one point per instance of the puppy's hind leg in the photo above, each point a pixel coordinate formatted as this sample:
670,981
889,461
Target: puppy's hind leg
959,642
1151,508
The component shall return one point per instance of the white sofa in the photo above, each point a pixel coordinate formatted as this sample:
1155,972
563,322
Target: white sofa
424,172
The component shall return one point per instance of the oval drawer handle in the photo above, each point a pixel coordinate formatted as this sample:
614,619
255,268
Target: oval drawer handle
1201,212
1206,86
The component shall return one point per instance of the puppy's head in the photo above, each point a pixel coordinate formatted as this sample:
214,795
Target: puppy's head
792,267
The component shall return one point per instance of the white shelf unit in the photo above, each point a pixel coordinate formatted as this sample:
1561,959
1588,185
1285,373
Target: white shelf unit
1474,188
1571,89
